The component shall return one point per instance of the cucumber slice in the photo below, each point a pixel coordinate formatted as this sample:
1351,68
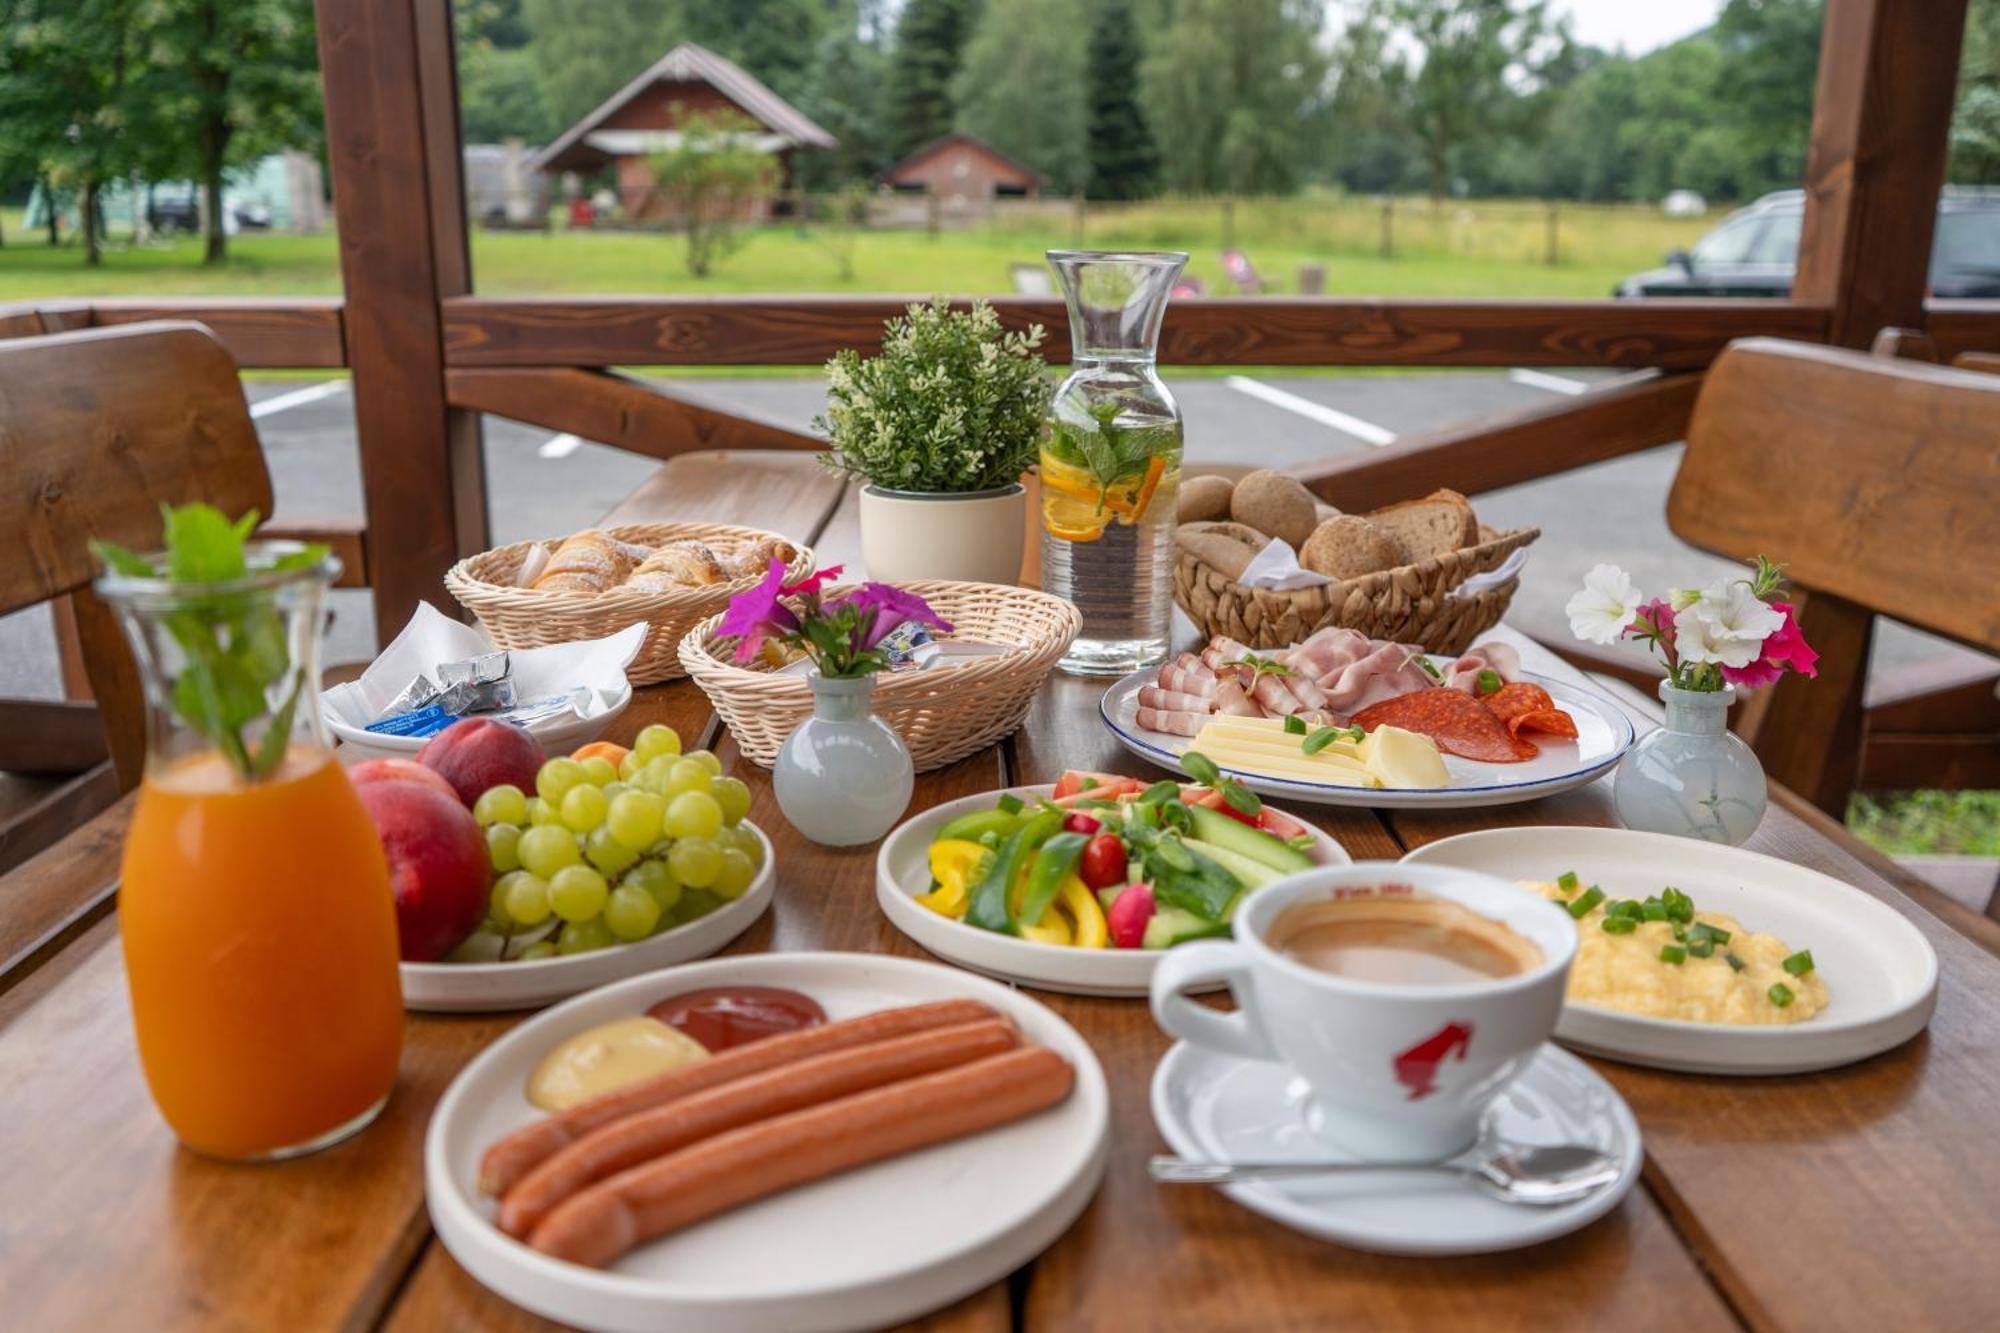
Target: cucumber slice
1212,826
1170,925
1252,874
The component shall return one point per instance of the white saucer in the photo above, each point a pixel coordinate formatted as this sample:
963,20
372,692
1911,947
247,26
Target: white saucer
1218,1107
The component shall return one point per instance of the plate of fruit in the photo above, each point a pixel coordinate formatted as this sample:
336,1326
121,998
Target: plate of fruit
1080,885
543,877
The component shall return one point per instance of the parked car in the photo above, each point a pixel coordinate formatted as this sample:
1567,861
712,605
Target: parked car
173,210
1755,249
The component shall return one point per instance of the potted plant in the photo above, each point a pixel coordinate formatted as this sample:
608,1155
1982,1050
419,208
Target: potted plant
941,424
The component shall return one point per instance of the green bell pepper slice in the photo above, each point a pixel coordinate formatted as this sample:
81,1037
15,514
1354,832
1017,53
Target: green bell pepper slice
1056,858
991,907
971,827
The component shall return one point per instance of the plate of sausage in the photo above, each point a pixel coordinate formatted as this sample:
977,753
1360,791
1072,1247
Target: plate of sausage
1501,734
776,1141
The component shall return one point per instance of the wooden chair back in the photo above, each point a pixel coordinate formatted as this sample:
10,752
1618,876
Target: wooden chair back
1875,480
97,430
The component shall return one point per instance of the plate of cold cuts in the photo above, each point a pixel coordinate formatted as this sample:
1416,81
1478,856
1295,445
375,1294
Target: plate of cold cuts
1343,719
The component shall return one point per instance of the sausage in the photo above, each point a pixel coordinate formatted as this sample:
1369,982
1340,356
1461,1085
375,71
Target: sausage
789,1087
603,1221
514,1155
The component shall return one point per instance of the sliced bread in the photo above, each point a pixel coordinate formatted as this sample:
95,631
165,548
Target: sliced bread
1441,521
1347,546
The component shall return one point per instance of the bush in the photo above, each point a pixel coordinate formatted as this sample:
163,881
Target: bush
952,403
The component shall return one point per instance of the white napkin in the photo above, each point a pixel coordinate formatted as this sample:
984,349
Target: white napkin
590,671
1493,578
1277,568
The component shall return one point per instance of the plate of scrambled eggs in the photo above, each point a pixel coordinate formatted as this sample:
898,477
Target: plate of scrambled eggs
1709,959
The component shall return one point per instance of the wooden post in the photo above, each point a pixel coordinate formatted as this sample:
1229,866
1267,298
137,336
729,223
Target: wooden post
1552,249
399,203
1388,228
1888,70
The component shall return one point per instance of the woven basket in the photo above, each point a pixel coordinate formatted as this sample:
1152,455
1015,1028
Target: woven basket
943,714
523,618
1404,605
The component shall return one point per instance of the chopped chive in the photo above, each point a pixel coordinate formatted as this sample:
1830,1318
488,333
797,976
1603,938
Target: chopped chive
1294,724
1654,910
1619,925
1010,803
1590,898
1488,682
1799,963
1673,953
1781,994
1708,932
1320,739
1735,964
1680,933
1567,881
1701,946
1628,908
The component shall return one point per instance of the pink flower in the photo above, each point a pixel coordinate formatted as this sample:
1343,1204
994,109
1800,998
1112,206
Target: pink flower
1784,647
1654,622
880,608
811,583
757,615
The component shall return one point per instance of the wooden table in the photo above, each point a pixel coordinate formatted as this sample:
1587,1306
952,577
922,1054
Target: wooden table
1866,1198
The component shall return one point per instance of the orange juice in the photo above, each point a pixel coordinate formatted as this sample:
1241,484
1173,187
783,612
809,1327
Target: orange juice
260,947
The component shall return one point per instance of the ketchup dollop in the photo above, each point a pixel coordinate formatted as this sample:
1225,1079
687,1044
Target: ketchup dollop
725,1016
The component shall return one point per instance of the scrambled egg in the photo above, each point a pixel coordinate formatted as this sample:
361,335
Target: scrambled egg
1626,973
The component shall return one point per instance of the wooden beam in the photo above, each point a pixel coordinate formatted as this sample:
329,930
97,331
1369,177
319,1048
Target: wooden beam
259,333
1511,448
45,736
1888,70
1292,331
393,146
1986,363
1908,344
34,830
617,410
1969,761
1958,327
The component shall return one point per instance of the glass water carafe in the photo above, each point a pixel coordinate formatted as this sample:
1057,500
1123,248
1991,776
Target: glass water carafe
1111,461
255,908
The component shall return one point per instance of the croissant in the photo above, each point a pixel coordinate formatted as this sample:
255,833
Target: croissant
587,563
754,560
687,564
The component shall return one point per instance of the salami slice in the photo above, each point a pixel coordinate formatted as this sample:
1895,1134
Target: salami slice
1457,722
1526,706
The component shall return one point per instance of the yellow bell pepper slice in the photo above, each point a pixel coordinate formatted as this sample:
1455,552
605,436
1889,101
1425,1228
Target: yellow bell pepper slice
1091,932
953,863
1053,928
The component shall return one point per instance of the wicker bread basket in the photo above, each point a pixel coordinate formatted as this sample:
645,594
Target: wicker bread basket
1409,604
523,618
942,714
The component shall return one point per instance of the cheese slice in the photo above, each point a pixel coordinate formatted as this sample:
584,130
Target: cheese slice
1386,757
1405,759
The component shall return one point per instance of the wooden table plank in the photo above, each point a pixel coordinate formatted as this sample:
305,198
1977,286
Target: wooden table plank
50,899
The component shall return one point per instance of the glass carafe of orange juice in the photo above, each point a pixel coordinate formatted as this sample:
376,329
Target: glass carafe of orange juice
258,922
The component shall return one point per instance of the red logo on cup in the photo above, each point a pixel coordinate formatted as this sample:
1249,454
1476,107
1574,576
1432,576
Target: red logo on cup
1416,1068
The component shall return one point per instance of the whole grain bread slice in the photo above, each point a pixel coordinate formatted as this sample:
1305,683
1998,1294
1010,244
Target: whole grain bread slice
1441,521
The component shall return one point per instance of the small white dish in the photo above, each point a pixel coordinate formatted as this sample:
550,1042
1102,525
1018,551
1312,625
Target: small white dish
902,875
471,988
870,1248
558,735
1879,969
1224,1108
1604,734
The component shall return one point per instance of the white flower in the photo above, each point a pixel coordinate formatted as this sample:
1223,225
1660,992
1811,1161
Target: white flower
1605,607
1727,624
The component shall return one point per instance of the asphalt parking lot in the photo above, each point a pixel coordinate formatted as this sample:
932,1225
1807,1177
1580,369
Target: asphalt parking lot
543,484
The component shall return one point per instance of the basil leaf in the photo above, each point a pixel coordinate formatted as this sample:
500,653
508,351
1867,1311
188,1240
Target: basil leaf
1201,768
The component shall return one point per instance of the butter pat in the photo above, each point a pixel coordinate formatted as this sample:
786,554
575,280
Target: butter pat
1386,757
1404,759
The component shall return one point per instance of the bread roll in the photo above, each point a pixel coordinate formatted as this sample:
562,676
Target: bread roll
1441,521
1205,498
587,563
1228,547
1348,546
1275,503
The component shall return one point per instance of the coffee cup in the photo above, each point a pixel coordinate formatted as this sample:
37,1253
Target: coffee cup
1405,997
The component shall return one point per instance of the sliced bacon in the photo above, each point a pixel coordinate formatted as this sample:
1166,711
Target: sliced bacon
1231,698
1457,722
1173,723
1187,674
1526,706
1173,701
1499,658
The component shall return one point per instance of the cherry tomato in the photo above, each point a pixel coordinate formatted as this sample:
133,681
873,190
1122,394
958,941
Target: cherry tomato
1214,801
1081,823
1103,862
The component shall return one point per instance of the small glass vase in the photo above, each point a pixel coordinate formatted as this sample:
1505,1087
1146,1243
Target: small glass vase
1693,777
844,776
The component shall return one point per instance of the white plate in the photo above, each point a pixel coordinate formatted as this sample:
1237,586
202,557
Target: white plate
1224,1108
558,735
902,875
866,1249
1604,734
1878,968
468,988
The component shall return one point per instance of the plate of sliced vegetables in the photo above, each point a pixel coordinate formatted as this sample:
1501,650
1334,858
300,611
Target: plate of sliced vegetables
1081,884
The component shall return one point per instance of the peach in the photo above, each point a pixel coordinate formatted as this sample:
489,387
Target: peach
475,753
399,770
438,864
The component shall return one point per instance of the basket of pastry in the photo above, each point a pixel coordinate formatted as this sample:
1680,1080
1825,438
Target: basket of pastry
593,583
1265,562
948,693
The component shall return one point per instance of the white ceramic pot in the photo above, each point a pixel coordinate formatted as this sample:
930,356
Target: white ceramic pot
977,537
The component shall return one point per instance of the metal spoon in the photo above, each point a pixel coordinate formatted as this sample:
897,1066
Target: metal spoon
1540,1176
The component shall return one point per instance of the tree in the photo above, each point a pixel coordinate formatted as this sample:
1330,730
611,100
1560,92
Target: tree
583,57
1975,121
711,179
930,38
1764,91
1021,88
1124,164
773,39
500,92
844,96
227,82
1232,86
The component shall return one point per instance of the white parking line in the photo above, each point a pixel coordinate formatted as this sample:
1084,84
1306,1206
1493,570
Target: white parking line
1536,379
1366,431
312,393
559,446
